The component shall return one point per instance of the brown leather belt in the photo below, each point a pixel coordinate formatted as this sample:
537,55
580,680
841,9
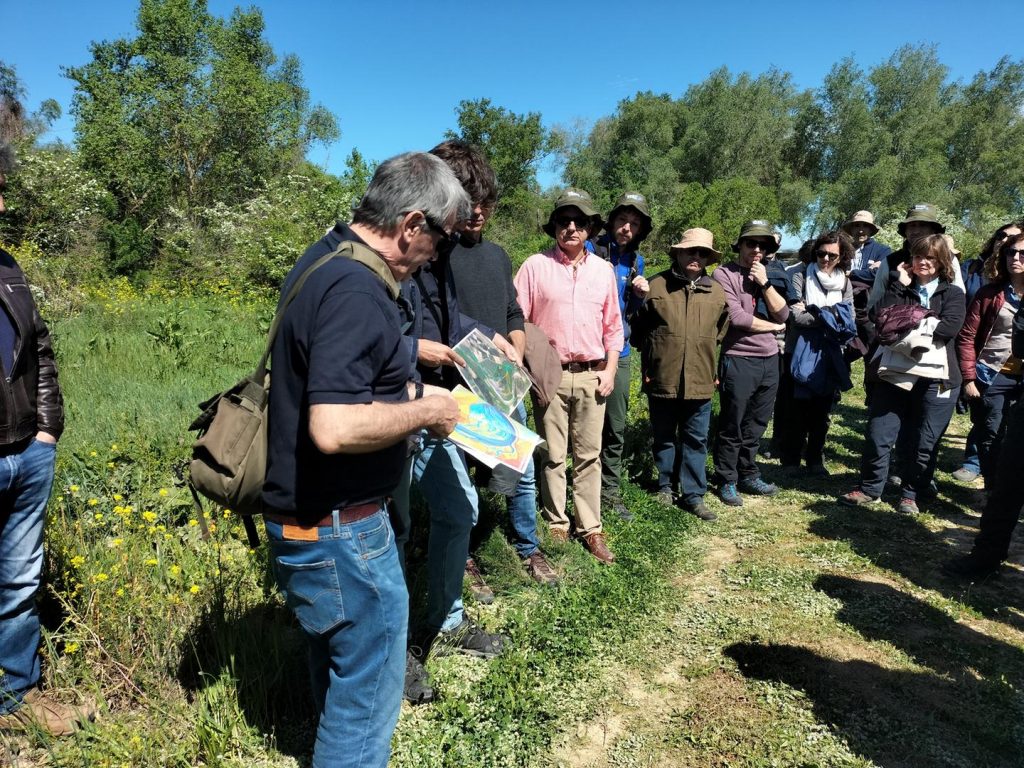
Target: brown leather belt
346,515
579,366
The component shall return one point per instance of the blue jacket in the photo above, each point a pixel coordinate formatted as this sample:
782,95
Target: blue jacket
818,366
874,251
627,265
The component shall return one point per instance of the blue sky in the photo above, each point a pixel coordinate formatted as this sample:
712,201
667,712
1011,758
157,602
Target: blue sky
393,72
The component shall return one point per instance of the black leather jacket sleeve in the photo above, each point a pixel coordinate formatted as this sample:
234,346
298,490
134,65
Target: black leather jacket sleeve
49,402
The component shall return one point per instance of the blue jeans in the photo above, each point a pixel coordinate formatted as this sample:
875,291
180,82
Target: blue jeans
680,430
25,482
348,593
440,473
522,505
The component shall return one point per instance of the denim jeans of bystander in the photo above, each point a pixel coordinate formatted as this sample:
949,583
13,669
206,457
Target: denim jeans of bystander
25,481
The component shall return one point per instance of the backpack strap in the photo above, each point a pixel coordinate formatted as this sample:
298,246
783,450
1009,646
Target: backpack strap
346,249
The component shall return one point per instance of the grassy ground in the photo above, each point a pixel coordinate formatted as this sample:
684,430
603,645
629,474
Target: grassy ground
791,632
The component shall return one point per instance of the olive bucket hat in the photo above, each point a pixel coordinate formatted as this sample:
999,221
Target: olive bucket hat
924,212
697,238
758,228
638,203
861,217
575,198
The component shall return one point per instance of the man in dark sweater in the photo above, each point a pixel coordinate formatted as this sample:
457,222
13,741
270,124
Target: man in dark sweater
482,276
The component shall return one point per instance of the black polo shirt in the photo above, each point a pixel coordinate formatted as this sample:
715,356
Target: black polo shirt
340,342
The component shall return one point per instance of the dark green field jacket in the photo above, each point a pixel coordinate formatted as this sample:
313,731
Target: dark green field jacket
678,331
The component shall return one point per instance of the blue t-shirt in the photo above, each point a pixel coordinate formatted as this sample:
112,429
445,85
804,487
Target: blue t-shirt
340,342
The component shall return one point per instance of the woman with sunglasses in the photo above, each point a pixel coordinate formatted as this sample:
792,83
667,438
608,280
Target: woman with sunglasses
976,273
821,284
992,376
923,390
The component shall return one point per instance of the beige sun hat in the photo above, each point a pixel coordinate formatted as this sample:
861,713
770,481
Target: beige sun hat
862,217
951,245
697,238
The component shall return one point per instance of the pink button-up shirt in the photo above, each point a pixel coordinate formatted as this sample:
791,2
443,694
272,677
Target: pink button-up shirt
576,306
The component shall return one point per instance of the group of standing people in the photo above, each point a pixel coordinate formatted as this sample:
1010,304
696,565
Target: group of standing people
361,408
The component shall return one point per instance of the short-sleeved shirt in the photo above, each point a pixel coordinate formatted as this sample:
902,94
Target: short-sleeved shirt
340,342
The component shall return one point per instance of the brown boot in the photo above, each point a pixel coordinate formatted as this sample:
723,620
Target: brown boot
598,547
540,569
39,711
478,588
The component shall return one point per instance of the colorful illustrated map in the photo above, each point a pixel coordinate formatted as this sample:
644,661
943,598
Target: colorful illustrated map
489,435
490,374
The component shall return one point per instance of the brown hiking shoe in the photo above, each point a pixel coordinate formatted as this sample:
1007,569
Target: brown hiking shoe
559,534
477,586
540,569
39,711
598,547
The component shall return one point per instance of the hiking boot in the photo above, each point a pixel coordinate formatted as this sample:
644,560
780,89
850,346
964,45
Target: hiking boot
700,510
758,487
966,475
728,494
40,711
619,508
665,496
895,481
477,586
469,639
857,498
559,534
818,470
908,506
972,567
598,547
417,688
540,569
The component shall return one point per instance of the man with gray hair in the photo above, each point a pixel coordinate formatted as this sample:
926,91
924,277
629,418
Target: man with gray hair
341,408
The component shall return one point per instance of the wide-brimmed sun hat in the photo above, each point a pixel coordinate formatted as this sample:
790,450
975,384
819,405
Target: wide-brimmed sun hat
758,228
575,198
862,217
697,238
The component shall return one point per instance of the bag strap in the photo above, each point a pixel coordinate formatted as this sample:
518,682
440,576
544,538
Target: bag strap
347,249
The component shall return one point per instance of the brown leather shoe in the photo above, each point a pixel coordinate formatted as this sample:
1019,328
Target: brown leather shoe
598,547
39,711
559,534
540,569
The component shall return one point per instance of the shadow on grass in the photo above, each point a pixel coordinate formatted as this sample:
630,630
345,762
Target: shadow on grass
260,652
896,717
963,711
905,545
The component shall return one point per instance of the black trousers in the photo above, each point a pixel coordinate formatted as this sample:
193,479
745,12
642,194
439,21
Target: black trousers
923,411
1007,492
748,386
803,427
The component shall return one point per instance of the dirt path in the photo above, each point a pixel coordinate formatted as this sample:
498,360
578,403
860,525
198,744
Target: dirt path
819,635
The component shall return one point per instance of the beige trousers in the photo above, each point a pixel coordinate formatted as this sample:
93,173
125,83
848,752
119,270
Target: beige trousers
576,412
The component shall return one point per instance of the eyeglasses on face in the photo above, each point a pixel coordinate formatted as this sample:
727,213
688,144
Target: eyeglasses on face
763,245
581,222
1014,254
825,255
444,236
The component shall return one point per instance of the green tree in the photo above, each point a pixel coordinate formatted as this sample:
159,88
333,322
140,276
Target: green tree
193,111
514,144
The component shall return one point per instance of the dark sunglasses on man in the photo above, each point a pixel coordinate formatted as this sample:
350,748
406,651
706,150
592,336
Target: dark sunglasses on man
581,222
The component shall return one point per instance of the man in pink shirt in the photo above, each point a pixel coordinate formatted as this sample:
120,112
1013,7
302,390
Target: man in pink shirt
571,295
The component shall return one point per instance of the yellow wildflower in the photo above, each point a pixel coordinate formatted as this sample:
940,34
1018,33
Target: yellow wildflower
111,465
98,517
93,454
193,522
77,561
117,497
194,589
175,570
100,577
74,489
71,648
152,561
117,542
162,492
113,446
93,502
148,516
